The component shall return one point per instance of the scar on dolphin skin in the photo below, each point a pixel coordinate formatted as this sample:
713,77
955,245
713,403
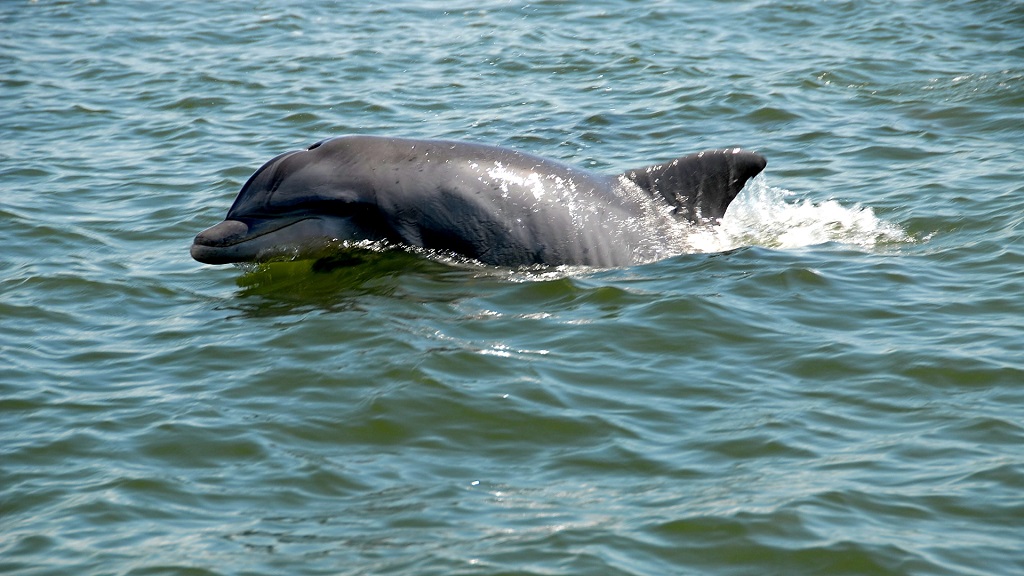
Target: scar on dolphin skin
492,204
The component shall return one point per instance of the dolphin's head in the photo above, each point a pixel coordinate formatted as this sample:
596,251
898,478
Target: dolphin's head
294,205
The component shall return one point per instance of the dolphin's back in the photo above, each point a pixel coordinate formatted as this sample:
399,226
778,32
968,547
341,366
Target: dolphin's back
496,205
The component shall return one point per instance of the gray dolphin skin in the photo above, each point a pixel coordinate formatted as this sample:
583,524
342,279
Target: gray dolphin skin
495,205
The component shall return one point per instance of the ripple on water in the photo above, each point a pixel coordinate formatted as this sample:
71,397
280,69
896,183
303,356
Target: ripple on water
830,384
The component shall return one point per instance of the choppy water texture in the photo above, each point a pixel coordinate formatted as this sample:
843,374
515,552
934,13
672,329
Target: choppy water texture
830,384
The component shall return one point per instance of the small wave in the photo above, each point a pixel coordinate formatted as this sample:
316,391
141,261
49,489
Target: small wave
761,216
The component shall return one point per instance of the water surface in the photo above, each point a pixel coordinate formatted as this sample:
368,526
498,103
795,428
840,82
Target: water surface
829,384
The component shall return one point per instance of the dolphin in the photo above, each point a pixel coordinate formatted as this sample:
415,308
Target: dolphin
495,205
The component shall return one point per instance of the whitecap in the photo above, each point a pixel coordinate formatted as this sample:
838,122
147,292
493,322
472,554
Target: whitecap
762,216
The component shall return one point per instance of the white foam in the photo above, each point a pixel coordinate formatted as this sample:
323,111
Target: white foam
761,216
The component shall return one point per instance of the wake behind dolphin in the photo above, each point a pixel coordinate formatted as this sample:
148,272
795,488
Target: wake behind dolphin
495,205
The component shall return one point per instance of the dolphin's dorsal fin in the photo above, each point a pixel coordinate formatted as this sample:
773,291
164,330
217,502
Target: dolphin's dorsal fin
701,185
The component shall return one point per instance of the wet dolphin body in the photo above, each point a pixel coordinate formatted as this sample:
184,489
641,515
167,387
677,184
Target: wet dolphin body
495,205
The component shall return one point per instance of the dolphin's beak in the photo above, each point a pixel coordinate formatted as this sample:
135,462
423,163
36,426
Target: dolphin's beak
218,244
248,240
259,240
226,233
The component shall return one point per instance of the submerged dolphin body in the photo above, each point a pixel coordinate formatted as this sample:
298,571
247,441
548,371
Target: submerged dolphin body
492,204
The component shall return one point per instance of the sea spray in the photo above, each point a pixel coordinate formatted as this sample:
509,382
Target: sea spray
761,216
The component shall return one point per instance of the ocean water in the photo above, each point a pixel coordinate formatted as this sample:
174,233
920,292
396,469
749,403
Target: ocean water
832,382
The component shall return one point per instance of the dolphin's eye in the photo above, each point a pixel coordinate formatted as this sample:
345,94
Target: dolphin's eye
317,145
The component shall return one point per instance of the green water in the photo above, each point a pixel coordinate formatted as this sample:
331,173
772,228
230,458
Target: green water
829,384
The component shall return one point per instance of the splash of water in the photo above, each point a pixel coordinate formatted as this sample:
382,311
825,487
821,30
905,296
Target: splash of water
761,216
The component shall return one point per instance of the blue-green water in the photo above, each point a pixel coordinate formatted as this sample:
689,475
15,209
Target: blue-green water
831,384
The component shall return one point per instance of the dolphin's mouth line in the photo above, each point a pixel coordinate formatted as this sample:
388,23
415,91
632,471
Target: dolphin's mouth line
255,240
261,231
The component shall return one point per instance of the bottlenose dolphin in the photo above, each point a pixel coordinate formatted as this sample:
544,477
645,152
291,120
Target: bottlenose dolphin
491,204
